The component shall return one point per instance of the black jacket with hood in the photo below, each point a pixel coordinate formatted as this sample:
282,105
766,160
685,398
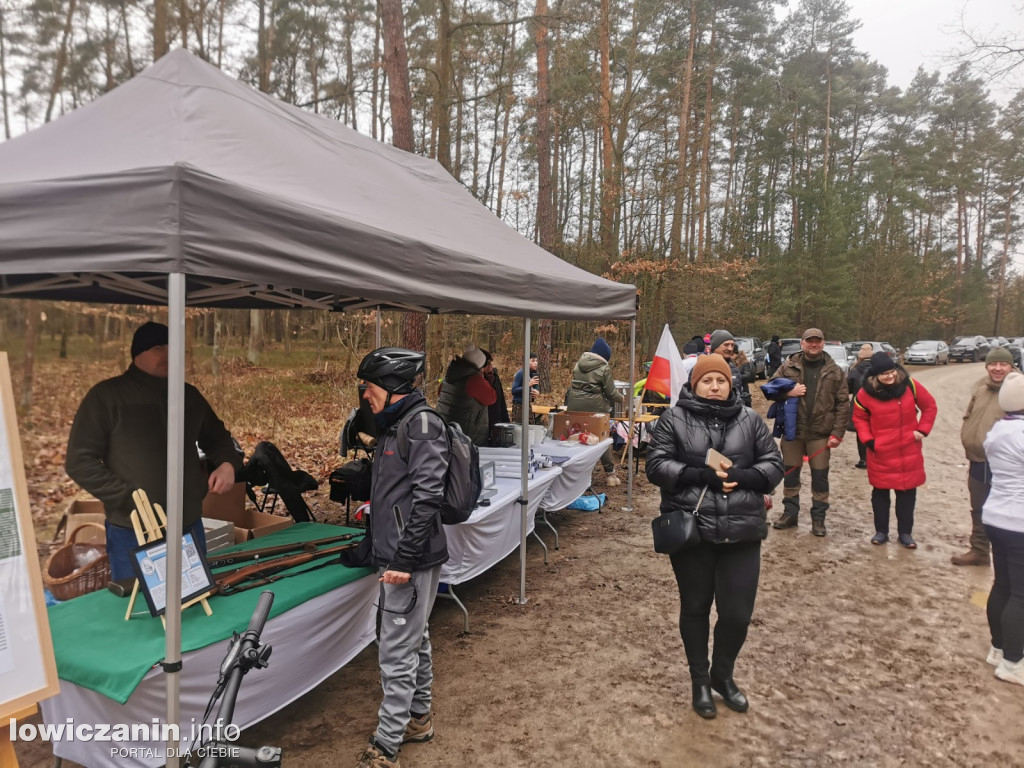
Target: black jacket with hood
676,463
408,488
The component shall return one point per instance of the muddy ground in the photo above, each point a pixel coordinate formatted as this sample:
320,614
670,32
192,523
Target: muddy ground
858,655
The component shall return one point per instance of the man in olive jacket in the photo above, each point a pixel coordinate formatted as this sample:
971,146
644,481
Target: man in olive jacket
822,418
118,443
982,412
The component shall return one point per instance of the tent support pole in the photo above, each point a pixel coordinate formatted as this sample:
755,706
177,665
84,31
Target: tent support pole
524,460
378,328
632,416
175,453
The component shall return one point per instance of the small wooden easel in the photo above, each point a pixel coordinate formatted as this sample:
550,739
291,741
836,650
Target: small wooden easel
150,522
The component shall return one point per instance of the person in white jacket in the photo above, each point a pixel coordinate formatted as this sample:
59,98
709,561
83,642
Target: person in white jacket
1003,518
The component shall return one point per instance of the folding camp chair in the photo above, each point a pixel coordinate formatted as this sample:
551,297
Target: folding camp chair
268,469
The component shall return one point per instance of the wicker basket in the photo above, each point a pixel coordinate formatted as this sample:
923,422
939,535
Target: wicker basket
63,575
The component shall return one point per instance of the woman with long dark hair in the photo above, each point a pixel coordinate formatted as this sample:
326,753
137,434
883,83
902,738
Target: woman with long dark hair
724,568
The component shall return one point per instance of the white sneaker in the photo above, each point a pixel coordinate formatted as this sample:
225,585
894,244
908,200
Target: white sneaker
995,655
611,481
1011,672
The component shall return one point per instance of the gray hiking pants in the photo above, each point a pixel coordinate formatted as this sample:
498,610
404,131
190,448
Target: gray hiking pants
406,669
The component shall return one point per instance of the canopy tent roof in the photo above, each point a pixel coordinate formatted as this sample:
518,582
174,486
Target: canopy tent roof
260,204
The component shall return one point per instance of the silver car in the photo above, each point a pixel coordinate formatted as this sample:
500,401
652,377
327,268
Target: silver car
838,353
927,353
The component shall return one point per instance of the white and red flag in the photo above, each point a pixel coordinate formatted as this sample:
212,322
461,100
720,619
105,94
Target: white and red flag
667,375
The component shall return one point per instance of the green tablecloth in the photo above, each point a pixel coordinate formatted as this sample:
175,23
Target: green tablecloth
97,649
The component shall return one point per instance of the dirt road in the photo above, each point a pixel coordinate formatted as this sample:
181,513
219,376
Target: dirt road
859,655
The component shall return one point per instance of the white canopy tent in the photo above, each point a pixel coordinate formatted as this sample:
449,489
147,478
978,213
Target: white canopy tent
186,187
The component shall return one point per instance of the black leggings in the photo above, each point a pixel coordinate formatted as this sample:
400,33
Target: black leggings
905,502
1006,600
725,575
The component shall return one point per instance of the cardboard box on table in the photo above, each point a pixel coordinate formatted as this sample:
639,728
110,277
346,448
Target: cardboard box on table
570,421
249,523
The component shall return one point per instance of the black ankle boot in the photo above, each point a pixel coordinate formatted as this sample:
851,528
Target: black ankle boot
731,695
703,704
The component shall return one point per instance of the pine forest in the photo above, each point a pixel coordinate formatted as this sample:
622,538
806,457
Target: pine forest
740,161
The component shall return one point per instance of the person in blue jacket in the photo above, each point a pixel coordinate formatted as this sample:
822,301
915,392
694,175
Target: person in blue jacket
517,389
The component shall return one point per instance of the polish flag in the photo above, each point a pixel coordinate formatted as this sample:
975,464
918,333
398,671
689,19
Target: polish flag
666,376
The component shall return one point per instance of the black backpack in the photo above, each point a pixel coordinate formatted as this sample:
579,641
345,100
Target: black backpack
462,482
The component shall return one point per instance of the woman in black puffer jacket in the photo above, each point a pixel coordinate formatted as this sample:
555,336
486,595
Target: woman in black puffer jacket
724,568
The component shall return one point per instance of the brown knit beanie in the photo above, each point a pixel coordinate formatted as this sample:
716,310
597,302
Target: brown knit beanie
708,363
865,352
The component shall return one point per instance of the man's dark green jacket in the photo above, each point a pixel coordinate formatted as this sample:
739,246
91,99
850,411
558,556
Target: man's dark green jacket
118,443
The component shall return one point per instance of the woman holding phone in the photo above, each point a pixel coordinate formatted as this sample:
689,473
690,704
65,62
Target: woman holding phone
724,568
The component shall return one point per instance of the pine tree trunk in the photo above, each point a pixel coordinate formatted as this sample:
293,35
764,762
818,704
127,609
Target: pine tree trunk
3,75
28,365
255,336
62,61
442,102
216,346
160,28
609,194
676,236
396,64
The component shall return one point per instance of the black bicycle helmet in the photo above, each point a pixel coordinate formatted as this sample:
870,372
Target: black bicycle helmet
392,368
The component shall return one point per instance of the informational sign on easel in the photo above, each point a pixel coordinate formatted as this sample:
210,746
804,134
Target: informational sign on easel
28,672
150,563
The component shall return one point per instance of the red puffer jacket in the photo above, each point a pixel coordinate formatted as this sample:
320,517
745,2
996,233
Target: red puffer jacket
889,416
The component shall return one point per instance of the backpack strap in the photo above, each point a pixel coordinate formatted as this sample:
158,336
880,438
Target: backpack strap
858,404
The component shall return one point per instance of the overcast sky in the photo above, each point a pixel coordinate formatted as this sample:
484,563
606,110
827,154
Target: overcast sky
903,34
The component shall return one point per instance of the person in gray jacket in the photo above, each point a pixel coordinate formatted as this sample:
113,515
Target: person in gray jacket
593,389
409,546
724,568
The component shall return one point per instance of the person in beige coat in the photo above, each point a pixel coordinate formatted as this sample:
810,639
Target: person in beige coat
982,412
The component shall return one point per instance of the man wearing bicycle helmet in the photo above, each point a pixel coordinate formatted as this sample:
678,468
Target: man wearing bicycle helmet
409,545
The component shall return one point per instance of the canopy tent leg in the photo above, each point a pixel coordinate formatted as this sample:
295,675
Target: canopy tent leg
175,494
524,461
632,416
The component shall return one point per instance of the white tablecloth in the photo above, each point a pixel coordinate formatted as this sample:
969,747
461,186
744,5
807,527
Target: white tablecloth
311,642
576,472
492,532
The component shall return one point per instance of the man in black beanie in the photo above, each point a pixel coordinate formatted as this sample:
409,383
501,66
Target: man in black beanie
118,443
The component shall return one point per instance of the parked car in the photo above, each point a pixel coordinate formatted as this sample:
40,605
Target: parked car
1016,348
853,347
931,352
789,347
838,353
970,348
997,341
752,347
